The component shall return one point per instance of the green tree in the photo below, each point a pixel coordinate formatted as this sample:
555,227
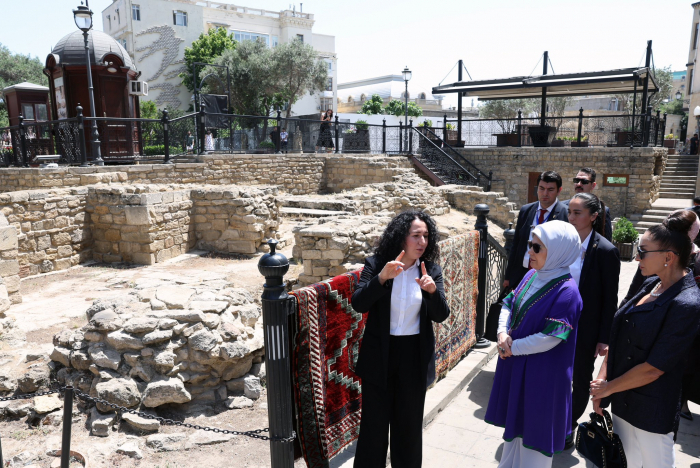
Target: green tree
398,108
14,69
673,107
504,110
149,110
664,79
298,70
373,106
206,49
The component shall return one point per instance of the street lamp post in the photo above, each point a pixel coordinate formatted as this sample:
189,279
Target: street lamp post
679,96
83,20
406,77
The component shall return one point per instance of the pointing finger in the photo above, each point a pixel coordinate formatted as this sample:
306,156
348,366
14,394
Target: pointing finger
422,267
398,259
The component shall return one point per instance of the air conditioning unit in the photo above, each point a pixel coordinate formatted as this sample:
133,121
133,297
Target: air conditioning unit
138,88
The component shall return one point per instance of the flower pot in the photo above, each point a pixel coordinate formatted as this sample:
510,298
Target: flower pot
542,136
670,143
506,139
560,143
627,251
576,144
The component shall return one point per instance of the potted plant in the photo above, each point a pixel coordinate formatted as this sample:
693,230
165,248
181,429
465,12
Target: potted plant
670,141
625,238
265,147
624,137
583,144
561,142
506,139
356,140
542,135
451,138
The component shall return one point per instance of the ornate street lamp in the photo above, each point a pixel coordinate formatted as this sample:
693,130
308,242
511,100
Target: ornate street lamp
679,96
406,77
83,20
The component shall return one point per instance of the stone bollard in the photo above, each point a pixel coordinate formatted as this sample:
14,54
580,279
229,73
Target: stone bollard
276,308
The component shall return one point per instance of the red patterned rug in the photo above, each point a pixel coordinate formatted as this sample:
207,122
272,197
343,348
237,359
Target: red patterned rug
328,393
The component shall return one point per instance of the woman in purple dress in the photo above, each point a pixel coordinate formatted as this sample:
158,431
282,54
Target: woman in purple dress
531,394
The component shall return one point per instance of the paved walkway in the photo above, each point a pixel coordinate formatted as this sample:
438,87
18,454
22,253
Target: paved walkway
459,437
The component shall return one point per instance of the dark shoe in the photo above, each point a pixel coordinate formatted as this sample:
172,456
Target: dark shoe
687,415
569,442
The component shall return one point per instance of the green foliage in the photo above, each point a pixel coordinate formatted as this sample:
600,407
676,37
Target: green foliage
670,136
296,71
154,150
373,106
503,110
361,125
624,232
149,110
664,78
206,49
673,107
266,144
15,69
427,122
398,108
451,126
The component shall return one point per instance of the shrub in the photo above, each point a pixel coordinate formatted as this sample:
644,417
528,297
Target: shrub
669,137
154,150
361,125
427,122
266,144
451,126
624,232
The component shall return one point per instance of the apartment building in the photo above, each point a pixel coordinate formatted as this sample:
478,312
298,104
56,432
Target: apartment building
156,33
691,98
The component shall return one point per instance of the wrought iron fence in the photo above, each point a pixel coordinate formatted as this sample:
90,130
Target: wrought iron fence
495,270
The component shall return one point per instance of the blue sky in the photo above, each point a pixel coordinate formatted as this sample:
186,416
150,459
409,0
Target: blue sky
496,39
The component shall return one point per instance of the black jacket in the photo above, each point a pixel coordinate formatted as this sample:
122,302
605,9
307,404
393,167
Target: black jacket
526,218
598,286
661,334
374,298
608,221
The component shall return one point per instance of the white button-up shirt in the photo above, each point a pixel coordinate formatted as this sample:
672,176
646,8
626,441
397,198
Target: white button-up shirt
577,266
406,300
526,259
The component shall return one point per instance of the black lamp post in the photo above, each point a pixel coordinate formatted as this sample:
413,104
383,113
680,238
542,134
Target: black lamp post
83,20
406,77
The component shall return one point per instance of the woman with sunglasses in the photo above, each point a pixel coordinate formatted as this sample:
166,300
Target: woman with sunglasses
650,339
531,394
597,274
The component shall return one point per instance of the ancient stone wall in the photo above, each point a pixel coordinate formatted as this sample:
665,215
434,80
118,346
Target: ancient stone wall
349,172
512,166
139,224
9,267
52,232
235,219
465,198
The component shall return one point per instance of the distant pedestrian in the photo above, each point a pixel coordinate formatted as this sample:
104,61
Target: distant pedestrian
650,341
189,142
284,140
531,394
694,144
275,138
209,141
325,137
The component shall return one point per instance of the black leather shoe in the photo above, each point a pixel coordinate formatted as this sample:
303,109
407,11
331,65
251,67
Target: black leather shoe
569,442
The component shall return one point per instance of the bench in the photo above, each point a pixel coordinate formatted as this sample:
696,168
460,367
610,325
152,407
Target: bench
48,160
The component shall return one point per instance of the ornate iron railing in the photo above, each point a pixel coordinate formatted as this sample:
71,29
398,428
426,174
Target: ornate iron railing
495,271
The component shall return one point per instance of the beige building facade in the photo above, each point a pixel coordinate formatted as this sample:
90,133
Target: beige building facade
156,33
692,96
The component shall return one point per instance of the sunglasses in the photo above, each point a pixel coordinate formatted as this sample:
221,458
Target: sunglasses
535,247
581,181
643,253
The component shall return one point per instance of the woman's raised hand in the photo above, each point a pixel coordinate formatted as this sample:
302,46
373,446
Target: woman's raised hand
392,269
426,281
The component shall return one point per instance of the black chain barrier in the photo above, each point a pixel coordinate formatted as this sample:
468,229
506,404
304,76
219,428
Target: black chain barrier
255,434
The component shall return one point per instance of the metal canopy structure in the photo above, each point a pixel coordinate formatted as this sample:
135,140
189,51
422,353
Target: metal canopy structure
626,80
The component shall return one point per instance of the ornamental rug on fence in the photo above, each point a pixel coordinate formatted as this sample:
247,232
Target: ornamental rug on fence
328,394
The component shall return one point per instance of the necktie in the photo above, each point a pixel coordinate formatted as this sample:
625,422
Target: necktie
540,220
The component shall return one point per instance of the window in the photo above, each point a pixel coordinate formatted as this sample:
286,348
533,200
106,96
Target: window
403,95
330,65
329,85
109,18
300,37
180,18
28,111
119,17
136,12
690,82
363,97
123,43
682,86
613,105
349,99
250,36
274,41
695,38
326,103
421,96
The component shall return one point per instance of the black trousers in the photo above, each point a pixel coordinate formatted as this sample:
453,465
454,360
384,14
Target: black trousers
399,406
584,363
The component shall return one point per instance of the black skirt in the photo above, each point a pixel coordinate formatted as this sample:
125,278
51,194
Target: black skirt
325,138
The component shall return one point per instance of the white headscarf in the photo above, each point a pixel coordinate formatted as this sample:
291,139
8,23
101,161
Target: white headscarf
563,245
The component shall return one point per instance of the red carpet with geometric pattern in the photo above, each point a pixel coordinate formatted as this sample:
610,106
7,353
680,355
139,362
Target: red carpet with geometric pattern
329,333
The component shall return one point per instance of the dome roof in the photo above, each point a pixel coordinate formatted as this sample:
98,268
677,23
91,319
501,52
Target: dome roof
70,50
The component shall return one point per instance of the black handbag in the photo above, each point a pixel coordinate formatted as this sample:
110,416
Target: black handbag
491,331
597,442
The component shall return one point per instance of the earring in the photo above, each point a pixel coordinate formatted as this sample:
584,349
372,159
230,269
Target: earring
665,264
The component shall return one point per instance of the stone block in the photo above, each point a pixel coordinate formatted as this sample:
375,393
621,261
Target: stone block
8,238
137,215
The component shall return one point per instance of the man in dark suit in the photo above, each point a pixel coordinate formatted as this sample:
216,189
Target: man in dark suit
585,182
547,208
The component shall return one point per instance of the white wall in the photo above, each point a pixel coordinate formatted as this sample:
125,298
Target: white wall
390,119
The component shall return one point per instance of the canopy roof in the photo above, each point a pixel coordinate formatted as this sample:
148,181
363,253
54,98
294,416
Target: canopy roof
571,84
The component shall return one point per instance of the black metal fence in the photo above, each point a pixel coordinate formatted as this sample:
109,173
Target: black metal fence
582,130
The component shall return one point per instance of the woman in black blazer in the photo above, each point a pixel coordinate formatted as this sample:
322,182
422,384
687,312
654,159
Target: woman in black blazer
401,290
597,273
650,340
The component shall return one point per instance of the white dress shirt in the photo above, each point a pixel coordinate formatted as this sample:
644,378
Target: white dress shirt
406,300
526,259
577,266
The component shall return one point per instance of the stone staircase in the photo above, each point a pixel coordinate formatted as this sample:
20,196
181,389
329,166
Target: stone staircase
678,180
315,207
